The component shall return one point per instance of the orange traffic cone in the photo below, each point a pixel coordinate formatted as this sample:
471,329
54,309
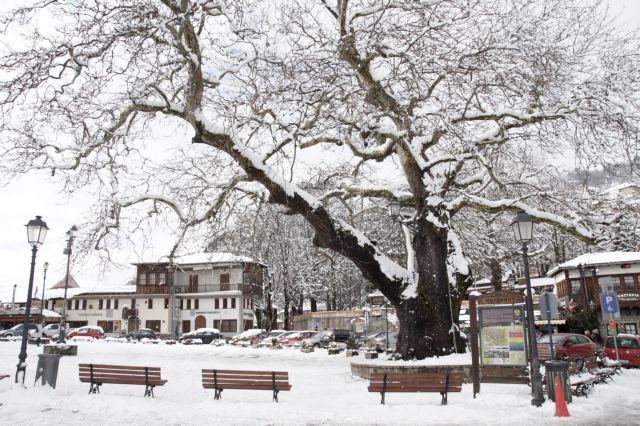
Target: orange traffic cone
561,404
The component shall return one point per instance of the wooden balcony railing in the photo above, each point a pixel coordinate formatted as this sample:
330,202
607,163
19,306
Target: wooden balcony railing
202,288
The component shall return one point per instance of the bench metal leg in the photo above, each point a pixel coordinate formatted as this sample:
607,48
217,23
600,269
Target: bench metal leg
382,400
217,394
94,388
444,398
275,395
148,391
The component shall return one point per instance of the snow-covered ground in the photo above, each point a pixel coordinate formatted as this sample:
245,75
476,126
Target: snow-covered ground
323,392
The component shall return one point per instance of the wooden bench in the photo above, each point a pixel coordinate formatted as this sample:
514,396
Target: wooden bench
99,374
220,380
504,375
416,382
581,387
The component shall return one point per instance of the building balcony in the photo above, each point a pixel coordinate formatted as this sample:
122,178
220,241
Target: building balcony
152,289
246,289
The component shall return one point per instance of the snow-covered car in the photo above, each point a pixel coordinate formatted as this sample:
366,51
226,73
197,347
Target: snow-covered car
92,331
201,335
296,339
381,341
313,339
248,337
268,339
16,331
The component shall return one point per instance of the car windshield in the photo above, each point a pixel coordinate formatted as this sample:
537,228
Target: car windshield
555,338
624,342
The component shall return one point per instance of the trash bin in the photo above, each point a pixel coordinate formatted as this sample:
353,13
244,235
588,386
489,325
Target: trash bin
559,369
48,369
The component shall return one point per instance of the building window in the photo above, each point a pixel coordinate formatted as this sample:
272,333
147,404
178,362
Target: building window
77,305
162,278
233,303
224,282
108,303
216,304
229,326
630,328
142,279
216,324
193,283
84,304
224,303
153,325
181,304
188,304
100,304
575,287
166,303
152,279
628,282
115,303
249,278
196,304
150,304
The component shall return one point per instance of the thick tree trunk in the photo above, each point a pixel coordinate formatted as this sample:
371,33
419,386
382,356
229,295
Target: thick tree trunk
496,274
314,304
426,321
287,301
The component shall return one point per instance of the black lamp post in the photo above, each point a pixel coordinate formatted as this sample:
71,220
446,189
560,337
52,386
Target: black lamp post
522,226
71,233
36,231
44,280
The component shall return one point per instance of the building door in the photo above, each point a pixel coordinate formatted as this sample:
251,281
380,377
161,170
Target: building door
224,282
153,325
186,326
134,324
248,324
201,322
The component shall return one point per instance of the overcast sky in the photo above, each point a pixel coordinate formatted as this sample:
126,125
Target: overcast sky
35,195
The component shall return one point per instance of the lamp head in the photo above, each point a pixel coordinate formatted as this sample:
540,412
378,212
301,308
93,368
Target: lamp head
36,231
522,225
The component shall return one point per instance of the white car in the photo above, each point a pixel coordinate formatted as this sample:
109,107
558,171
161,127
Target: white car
51,330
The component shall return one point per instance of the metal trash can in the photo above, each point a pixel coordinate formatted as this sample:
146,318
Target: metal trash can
48,369
560,369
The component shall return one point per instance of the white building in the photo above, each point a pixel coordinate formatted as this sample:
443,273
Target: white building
218,290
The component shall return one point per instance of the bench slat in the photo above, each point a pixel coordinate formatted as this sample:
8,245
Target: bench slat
118,376
246,377
117,367
125,381
244,372
248,386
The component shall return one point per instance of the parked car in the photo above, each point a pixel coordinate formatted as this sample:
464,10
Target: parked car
380,341
143,333
16,330
566,346
248,337
93,331
52,330
205,335
297,338
313,340
267,340
335,335
628,349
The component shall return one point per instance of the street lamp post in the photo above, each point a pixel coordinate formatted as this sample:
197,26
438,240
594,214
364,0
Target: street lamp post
36,231
71,233
522,226
44,280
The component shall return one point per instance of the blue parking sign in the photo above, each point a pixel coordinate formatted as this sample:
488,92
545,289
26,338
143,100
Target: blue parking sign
609,302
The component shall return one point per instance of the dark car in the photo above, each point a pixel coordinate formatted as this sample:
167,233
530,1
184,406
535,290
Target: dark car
205,335
143,333
566,346
335,335
34,329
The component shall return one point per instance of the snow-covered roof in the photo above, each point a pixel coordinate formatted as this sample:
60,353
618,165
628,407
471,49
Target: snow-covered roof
622,186
58,293
200,258
595,259
61,284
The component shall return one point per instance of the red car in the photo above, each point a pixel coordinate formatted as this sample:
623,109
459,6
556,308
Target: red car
628,349
87,331
296,338
566,346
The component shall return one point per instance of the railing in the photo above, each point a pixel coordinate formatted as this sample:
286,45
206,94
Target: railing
202,288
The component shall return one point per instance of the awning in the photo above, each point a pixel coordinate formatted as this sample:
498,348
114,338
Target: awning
553,321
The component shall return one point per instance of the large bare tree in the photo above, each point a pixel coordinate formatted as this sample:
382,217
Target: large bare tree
434,103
